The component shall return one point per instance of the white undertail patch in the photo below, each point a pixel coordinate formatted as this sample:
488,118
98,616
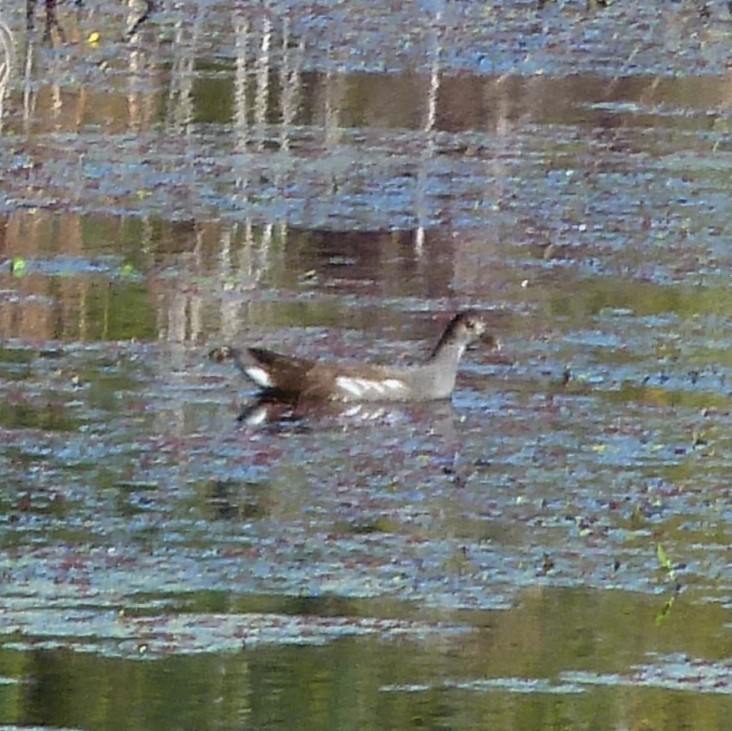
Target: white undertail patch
259,376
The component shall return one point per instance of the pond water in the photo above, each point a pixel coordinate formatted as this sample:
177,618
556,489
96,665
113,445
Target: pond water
550,549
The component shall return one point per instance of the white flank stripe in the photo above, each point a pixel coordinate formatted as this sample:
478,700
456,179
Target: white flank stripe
373,385
350,384
358,387
259,376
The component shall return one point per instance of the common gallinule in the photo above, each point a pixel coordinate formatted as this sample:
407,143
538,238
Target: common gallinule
291,377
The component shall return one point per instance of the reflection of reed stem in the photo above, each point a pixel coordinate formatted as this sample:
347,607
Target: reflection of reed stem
7,53
261,95
149,10
7,62
422,209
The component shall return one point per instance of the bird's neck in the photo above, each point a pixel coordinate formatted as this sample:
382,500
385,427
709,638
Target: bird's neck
447,352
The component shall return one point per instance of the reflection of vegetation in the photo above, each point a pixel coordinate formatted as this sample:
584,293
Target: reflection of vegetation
50,416
18,266
122,311
665,563
16,356
230,499
668,567
618,296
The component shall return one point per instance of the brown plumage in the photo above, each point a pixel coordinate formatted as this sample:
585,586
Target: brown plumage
294,377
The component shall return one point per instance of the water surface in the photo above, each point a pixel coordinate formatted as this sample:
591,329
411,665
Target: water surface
549,549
